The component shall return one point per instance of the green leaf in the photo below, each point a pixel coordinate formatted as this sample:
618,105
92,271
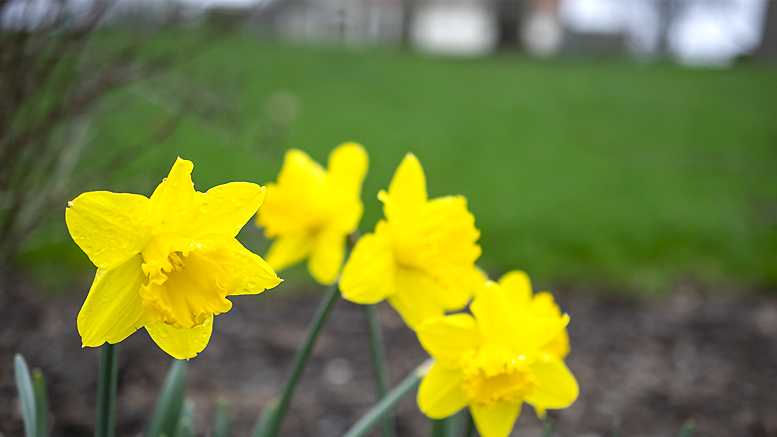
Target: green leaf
389,402
269,423
616,427
379,363
185,421
687,430
547,428
222,424
266,422
41,403
26,395
170,406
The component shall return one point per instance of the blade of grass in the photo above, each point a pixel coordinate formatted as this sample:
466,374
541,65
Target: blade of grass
270,421
26,395
41,403
169,407
687,430
389,402
379,363
106,390
222,424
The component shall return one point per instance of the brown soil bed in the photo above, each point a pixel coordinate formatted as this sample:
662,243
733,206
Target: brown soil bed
650,365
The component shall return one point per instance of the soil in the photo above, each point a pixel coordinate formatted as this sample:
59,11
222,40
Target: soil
646,366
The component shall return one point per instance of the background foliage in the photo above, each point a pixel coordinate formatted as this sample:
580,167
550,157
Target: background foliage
616,175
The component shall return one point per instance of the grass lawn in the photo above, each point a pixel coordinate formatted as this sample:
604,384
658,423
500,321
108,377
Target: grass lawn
605,174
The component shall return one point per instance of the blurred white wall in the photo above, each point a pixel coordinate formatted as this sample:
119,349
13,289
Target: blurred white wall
699,32
456,27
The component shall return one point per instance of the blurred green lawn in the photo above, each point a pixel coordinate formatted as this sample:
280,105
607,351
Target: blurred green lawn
598,174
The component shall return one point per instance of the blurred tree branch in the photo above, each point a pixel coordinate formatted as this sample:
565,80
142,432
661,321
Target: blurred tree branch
52,74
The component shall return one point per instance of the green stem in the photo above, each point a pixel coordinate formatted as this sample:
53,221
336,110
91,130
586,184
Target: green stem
379,363
453,424
303,353
388,403
469,431
106,390
439,427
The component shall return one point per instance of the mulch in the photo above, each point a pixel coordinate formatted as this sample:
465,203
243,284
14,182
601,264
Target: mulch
645,365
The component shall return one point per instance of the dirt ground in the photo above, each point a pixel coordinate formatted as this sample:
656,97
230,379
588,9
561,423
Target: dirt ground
650,365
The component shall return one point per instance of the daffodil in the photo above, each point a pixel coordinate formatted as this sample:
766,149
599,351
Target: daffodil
421,258
310,211
166,263
510,352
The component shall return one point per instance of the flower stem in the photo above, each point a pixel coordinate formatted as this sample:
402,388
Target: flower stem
379,363
469,430
387,404
439,427
272,418
106,390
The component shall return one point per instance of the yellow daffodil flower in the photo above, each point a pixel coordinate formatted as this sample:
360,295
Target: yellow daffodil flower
166,263
421,258
311,211
510,352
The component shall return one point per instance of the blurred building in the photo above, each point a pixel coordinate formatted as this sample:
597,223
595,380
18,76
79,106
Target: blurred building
699,32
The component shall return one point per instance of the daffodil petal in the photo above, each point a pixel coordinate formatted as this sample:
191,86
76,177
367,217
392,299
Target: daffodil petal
112,310
415,297
489,307
300,170
327,256
181,343
517,287
224,209
496,421
446,339
172,203
256,273
558,346
407,190
440,394
288,206
557,386
496,318
543,304
288,250
368,275
347,168
455,296
108,227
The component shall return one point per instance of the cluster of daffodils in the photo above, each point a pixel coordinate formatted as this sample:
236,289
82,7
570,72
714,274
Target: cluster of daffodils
168,263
